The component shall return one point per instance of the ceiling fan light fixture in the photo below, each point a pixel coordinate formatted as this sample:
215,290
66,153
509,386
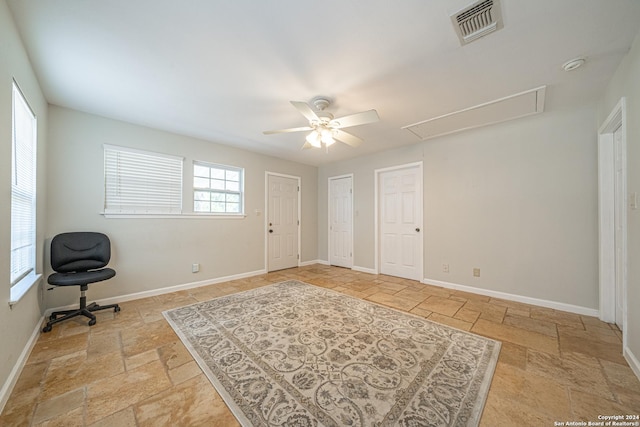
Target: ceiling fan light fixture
314,139
327,137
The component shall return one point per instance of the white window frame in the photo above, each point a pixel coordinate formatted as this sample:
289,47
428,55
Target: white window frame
23,196
141,183
210,190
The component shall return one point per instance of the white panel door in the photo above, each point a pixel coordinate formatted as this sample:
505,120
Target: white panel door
619,207
282,230
340,222
400,221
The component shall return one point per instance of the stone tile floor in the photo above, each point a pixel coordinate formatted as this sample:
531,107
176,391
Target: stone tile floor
130,369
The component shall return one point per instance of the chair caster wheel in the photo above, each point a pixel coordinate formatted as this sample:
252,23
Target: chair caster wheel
116,309
46,328
92,322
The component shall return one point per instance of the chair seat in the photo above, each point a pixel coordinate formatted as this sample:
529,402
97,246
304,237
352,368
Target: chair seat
80,278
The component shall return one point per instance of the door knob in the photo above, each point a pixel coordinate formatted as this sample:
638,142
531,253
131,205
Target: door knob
418,229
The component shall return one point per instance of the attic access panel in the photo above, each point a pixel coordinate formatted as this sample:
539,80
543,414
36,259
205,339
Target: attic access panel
501,110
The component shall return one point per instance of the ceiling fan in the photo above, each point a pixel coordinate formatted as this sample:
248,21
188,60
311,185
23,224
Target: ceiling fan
325,130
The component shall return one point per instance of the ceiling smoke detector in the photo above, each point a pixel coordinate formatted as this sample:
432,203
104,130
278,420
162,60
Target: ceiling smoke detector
477,20
573,64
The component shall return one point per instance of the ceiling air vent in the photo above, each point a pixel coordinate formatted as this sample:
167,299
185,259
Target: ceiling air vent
477,20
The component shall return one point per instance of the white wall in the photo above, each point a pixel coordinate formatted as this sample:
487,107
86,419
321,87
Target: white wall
150,254
517,200
626,83
18,324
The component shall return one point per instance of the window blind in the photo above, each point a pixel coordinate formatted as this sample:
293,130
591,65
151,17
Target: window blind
23,188
141,182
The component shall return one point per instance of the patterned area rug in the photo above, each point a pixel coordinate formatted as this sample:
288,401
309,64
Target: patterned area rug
293,354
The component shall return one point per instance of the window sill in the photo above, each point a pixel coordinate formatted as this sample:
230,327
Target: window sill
173,216
22,287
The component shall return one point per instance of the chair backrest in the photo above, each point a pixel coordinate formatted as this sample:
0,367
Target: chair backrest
80,251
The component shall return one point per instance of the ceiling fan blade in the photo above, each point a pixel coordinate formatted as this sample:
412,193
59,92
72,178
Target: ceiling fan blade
356,119
306,146
300,129
347,138
305,110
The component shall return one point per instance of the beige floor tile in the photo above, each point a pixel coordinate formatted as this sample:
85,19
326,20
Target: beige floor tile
540,394
194,402
582,341
124,418
450,321
421,312
515,335
163,383
587,407
132,362
535,325
59,405
147,337
499,412
72,418
513,354
184,372
467,315
74,370
574,370
45,350
445,306
390,300
113,394
492,312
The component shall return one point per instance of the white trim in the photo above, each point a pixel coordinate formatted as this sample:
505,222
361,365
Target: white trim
632,360
332,178
266,215
606,225
313,261
12,379
585,311
162,291
173,216
21,288
364,269
376,201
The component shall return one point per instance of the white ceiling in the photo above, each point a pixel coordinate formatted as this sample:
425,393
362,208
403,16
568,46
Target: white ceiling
226,70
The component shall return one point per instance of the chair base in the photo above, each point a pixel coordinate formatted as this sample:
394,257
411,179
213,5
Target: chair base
83,310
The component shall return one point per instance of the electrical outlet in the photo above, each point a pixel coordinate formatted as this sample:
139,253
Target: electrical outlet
476,272
195,267
445,268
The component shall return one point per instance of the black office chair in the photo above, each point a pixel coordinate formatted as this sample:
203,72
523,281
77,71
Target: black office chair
80,258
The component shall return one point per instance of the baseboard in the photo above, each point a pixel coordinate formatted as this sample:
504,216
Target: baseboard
11,381
364,269
585,311
162,291
315,261
632,360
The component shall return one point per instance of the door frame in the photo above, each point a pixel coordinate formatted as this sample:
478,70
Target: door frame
332,178
376,213
266,215
606,221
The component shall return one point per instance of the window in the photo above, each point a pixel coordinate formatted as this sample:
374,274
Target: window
217,189
23,195
141,182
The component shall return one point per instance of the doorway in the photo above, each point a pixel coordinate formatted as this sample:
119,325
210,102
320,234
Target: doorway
399,243
612,201
283,222
341,221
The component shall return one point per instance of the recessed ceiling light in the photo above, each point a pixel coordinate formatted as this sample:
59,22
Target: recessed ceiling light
573,64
